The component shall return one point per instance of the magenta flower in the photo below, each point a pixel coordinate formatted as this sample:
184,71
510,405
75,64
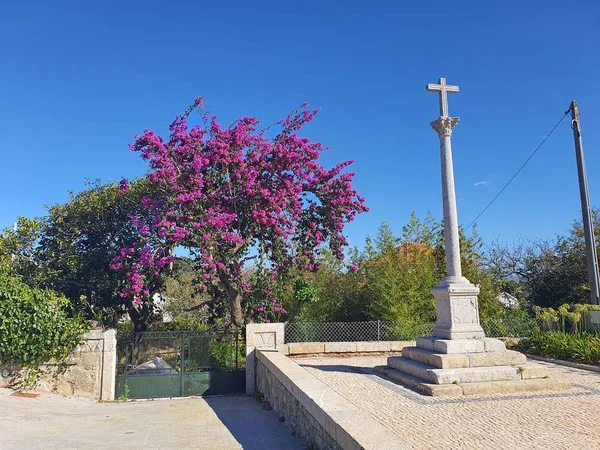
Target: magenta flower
224,192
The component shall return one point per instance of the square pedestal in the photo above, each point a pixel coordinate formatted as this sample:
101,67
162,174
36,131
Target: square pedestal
457,309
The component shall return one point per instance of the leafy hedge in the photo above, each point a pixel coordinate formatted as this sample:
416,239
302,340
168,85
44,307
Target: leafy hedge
580,347
35,325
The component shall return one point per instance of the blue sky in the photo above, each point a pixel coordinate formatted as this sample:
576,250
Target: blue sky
78,79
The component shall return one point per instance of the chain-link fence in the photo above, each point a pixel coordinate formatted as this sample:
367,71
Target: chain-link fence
354,331
378,330
509,327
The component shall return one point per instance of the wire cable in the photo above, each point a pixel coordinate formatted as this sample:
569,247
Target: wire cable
520,168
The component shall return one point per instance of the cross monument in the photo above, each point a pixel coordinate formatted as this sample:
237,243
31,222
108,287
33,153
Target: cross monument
455,297
443,89
458,359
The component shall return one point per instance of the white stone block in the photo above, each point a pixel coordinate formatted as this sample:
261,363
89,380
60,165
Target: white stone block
458,345
340,347
494,345
373,346
474,374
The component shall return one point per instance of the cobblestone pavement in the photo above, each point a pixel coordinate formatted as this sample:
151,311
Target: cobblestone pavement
216,423
559,420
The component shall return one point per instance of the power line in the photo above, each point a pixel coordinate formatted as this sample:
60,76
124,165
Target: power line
518,171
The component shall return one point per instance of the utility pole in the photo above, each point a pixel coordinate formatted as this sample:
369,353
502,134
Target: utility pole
588,228
13,256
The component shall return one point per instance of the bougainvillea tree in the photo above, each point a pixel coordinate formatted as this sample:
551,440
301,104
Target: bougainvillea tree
250,209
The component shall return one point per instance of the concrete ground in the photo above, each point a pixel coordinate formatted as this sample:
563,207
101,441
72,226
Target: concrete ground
54,422
550,420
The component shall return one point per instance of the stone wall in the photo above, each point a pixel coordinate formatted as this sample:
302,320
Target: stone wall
89,371
260,336
296,416
314,411
329,348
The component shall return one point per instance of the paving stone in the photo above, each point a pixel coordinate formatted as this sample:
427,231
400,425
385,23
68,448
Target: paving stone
51,421
555,419
534,371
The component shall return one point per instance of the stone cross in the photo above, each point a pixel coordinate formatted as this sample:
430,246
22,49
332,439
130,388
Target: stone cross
443,89
456,298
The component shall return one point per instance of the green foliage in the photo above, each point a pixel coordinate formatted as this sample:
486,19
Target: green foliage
409,331
339,295
70,250
398,284
513,322
34,324
580,347
124,397
394,278
565,317
177,324
189,307
305,292
223,353
19,246
547,273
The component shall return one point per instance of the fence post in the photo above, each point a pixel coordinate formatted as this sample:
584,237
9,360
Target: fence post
378,331
181,365
237,335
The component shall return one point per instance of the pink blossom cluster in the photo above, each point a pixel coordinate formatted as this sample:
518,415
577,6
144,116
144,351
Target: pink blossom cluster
222,191
272,311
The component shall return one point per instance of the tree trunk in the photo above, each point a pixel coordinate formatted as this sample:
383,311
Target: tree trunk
140,324
235,301
139,318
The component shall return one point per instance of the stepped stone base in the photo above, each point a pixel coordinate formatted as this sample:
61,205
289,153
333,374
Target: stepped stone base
482,388
466,367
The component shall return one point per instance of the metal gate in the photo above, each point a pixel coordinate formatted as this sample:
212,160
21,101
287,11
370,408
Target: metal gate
162,364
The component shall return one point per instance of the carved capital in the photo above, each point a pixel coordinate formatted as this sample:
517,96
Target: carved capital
444,125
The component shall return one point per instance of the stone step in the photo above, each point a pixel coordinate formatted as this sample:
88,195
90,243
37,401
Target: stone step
451,346
435,375
493,387
418,384
464,360
437,360
410,367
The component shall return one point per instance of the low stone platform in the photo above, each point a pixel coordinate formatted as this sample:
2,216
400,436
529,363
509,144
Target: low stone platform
523,420
466,367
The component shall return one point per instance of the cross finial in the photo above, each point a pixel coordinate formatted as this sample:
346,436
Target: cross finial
443,89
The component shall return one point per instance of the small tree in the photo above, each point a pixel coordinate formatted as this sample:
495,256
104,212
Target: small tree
71,248
235,197
35,325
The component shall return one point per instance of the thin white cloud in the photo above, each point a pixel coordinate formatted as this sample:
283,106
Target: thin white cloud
482,183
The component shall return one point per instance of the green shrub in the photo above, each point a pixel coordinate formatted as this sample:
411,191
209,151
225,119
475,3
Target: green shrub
177,324
223,353
580,347
34,325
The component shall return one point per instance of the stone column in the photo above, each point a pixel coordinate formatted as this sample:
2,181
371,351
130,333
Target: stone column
260,335
455,297
109,365
444,127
